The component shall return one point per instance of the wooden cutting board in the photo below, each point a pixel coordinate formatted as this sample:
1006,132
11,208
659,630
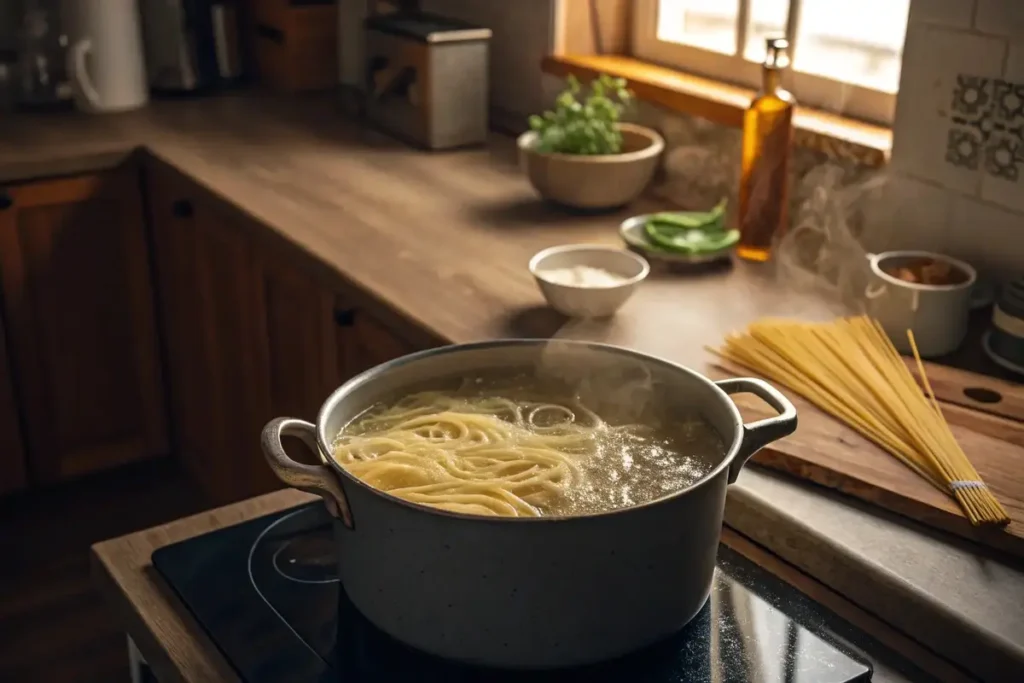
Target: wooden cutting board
971,390
827,452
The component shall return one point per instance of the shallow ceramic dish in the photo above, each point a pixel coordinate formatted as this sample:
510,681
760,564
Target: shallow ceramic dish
632,232
581,301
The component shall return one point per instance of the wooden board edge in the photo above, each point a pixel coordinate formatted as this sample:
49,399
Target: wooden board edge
990,539
175,620
162,628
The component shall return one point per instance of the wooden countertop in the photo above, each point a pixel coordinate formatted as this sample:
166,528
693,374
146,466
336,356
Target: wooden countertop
440,239
437,244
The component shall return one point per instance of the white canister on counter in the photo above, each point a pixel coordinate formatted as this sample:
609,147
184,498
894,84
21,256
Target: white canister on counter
106,65
936,314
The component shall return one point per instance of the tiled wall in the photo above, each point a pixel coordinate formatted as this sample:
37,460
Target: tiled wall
957,169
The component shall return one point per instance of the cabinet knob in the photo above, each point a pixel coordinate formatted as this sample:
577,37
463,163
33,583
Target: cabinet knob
6,201
345,317
182,208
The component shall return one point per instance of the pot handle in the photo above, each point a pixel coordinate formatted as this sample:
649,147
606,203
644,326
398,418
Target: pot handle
759,434
318,479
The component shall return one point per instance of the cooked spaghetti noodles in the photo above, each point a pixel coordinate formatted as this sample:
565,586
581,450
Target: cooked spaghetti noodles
850,369
492,455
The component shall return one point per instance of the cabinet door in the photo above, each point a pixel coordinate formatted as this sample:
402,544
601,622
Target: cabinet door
212,299
12,457
303,338
365,342
74,266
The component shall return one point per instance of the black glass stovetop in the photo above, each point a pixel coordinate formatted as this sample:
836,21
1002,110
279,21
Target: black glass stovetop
266,593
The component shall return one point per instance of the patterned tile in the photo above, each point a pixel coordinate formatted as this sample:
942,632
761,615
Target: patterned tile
987,126
945,73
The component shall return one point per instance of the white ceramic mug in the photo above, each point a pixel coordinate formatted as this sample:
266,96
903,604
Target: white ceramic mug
936,314
106,65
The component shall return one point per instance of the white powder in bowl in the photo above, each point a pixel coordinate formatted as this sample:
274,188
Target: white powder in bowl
582,276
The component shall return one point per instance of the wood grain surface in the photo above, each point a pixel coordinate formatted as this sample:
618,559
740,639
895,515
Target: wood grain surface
78,304
435,245
977,392
827,452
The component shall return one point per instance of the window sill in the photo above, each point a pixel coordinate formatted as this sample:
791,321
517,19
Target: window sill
837,136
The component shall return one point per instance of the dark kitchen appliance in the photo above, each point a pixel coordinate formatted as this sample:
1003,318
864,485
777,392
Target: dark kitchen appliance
192,45
1004,342
266,592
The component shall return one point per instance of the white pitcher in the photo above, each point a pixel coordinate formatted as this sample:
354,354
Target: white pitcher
106,65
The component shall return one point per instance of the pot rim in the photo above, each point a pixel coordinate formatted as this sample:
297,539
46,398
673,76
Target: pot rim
721,469
876,260
657,144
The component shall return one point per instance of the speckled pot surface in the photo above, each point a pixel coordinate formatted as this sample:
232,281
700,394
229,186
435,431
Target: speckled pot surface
527,592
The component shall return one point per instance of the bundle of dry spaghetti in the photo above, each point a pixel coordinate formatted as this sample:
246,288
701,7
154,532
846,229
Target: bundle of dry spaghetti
850,369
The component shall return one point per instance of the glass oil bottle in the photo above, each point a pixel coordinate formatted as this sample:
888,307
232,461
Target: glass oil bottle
767,140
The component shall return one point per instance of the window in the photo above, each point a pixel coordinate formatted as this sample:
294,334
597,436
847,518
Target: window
846,53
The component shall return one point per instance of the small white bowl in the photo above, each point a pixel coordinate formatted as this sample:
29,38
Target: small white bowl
583,301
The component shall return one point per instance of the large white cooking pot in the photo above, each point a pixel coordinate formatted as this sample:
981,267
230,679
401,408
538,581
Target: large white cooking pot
527,592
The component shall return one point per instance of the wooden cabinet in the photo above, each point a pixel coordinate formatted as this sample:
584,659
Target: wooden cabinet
12,457
78,304
211,296
304,332
366,342
249,336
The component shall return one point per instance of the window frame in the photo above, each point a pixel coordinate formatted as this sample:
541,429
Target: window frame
846,99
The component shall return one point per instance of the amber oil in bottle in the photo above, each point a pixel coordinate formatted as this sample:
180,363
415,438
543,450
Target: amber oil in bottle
767,139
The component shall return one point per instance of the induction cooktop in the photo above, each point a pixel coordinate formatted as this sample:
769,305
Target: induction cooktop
266,592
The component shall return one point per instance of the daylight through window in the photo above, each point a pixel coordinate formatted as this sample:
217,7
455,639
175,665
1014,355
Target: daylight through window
846,53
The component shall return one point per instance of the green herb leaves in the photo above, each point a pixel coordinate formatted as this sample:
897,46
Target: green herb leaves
691,232
584,125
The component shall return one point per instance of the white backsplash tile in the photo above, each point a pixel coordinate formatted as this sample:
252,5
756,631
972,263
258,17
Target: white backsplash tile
1000,189
1000,17
988,237
951,13
1015,62
941,95
905,213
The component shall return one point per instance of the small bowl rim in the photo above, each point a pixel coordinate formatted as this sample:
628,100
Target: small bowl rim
526,140
536,259
875,260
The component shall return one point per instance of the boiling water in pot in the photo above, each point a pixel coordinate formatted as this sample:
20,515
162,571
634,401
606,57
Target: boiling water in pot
515,445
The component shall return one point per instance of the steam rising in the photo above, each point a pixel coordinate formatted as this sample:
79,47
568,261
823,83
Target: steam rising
823,250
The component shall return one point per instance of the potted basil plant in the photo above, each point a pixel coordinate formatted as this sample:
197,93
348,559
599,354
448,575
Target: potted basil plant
580,154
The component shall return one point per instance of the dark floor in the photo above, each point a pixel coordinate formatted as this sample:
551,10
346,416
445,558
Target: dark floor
54,626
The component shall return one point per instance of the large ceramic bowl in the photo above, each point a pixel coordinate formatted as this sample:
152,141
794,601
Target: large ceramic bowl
600,181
